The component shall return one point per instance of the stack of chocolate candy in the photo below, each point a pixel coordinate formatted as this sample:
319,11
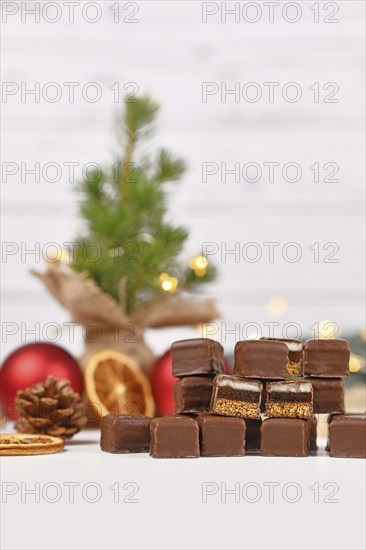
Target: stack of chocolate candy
287,399
222,415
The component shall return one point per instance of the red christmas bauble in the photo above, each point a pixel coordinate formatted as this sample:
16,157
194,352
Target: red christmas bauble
32,363
162,382
227,366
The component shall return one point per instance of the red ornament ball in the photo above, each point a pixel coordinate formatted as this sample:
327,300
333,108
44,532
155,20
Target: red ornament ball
32,363
162,382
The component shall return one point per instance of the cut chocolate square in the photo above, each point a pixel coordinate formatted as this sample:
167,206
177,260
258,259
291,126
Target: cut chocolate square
253,435
290,399
347,435
326,358
285,437
125,434
197,356
295,349
261,359
193,394
221,435
174,437
328,395
235,396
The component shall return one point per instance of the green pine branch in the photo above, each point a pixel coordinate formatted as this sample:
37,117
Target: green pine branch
127,233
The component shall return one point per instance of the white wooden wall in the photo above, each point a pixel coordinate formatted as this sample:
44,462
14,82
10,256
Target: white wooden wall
169,53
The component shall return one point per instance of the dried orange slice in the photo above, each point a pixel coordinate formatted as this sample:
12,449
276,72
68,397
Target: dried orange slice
29,444
115,384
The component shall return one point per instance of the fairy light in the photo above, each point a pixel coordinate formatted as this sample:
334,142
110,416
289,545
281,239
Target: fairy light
199,265
327,330
169,284
201,262
65,256
356,362
56,255
277,305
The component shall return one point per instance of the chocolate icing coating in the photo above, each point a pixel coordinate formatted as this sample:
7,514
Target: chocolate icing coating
326,358
222,435
261,359
174,437
285,437
125,434
347,435
197,356
328,395
193,394
294,355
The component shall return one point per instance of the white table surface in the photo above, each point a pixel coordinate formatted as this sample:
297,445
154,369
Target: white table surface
135,501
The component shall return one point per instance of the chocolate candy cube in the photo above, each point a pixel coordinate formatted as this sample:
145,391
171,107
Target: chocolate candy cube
326,358
193,394
290,399
328,395
285,437
197,356
347,435
235,396
125,434
221,435
295,349
174,437
253,435
261,359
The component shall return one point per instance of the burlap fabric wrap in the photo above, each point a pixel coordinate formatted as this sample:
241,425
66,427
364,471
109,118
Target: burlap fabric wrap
105,322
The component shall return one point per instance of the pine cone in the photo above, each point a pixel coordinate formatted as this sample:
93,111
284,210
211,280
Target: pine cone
50,407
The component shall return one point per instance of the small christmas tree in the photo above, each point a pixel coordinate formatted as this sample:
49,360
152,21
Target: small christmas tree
133,279
125,212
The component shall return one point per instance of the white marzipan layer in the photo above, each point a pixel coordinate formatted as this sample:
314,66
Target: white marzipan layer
294,346
245,385
284,387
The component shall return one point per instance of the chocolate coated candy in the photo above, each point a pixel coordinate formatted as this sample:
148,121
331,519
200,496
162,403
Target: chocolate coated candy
197,356
291,399
125,434
326,358
295,348
193,394
328,395
285,437
235,396
261,359
174,437
347,435
221,435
